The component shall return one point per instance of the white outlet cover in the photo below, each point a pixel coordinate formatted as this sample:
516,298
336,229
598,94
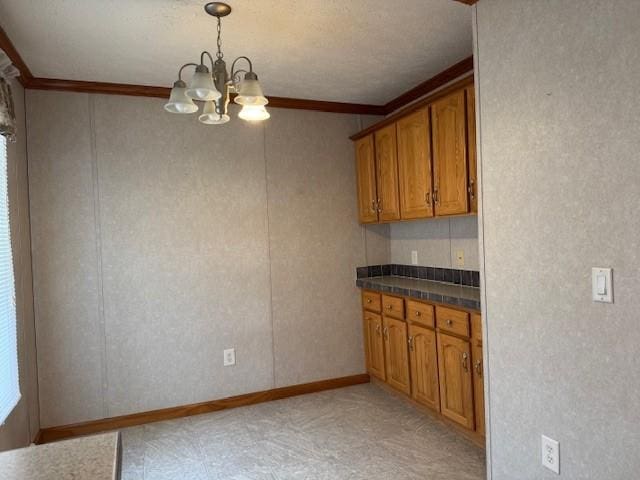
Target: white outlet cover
414,257
460,258
551,454
229,357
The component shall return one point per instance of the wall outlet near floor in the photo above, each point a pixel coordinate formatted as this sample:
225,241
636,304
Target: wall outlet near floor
414,257
551,454
229,357
460,258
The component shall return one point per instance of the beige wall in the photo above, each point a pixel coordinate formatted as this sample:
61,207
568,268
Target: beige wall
22,425
559,107
158,242
437,242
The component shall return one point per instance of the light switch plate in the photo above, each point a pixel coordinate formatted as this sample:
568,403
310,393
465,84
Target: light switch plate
602,284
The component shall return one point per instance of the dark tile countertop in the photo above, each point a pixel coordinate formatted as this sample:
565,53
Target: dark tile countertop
439,292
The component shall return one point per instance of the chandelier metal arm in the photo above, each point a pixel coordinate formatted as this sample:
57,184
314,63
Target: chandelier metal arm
233,65
183,67
210,59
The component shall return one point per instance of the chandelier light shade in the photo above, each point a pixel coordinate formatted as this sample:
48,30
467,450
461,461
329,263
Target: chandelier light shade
213,87
254,113
179,102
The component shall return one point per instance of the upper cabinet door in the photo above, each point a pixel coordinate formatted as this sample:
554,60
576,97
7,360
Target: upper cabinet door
414,165
387,163
448,123
366,173
471,149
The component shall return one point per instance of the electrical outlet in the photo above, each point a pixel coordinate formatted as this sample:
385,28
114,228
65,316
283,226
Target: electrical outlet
414,257
551,454
229,357
460,258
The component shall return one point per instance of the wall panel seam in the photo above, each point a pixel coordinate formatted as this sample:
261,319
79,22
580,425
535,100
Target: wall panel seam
98,245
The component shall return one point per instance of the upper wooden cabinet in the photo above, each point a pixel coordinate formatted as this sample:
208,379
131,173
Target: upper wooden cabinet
471,149
425,160
366,177
387,169
414,165
449,126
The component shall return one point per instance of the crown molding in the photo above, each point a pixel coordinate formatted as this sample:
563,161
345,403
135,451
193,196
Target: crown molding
428,86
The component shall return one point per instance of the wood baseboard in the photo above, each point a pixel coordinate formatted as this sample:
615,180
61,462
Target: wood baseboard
52,434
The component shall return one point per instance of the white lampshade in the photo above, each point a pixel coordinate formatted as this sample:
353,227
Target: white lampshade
250,93
254,113
209,115
202,87
179,102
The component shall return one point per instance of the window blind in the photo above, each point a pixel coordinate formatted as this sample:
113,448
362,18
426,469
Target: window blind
9,388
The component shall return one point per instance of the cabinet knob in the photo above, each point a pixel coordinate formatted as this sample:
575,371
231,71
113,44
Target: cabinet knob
449,322
389,307
368,300
418,313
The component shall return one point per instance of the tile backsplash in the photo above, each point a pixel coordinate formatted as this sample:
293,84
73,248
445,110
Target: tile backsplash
468,278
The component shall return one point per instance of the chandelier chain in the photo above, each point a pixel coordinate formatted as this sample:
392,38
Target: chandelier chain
219,54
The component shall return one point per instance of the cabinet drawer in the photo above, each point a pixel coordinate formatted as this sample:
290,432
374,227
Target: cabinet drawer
393,306
453,321
418,312
476,327
371,301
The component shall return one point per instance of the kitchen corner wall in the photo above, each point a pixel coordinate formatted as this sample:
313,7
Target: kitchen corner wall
158,242
437,242
557,86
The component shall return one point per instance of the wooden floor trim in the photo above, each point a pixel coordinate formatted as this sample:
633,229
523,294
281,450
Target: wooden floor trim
52,434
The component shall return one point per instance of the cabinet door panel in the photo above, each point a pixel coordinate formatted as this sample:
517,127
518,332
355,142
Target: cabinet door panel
454,365
387,169
478,386
424,366
448,123
366,178
396,355
471,149
374,344
414,165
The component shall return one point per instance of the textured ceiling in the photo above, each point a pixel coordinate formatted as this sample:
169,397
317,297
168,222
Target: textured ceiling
360,51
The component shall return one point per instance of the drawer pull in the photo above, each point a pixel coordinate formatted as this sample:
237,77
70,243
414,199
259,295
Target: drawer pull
449,322
464,362
418,313
368,300
389,307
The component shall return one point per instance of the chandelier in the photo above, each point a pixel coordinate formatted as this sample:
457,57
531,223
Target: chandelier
213,87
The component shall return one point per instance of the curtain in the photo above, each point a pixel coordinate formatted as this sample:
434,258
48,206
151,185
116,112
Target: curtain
7,112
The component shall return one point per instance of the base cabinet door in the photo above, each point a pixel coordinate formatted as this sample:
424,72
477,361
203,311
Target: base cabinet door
396,354
374,345
456,384
478,387
424,366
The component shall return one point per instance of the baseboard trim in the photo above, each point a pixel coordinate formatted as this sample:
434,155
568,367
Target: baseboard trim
51,434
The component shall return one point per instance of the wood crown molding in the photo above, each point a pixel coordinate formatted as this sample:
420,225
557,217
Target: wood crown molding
463,82
52,434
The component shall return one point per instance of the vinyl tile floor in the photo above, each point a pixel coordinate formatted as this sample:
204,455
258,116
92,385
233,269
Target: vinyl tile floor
360,432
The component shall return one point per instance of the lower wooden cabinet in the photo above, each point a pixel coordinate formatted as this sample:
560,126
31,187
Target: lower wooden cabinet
456,386
432,354
374,344
396,355
424,366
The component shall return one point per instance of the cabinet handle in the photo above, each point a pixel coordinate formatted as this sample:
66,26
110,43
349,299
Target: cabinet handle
449,322
368,300
389,307
411,343
427,198
471,189
464,362
379,203
479,367
435,196
373,205
418,313
386,333
378,329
